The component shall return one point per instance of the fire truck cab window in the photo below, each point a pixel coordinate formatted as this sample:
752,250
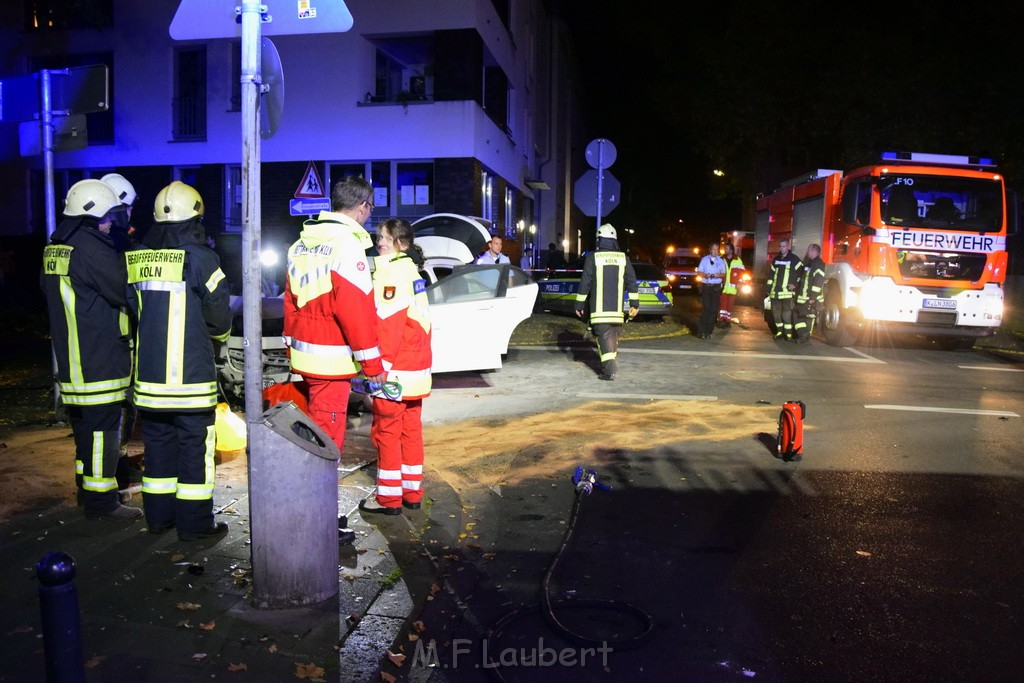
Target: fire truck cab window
857,203
928,201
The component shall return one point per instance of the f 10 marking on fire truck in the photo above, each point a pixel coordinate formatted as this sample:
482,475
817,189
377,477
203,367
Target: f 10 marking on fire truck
942,241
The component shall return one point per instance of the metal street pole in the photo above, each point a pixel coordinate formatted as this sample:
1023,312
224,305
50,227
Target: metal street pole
600,186
252,320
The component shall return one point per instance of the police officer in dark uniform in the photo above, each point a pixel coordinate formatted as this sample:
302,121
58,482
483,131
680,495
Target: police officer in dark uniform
84,282
182,300
808,294
607,276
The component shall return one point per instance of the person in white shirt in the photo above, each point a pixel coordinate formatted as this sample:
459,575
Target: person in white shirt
712,272
526,260
493,253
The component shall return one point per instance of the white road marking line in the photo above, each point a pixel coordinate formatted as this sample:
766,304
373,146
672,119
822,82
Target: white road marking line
862,354
931,409
989,367
647,397
720,354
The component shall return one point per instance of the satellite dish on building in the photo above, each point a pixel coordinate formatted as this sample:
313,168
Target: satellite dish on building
272,104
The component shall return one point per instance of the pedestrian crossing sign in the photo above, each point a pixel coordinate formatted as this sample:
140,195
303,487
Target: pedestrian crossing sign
311,186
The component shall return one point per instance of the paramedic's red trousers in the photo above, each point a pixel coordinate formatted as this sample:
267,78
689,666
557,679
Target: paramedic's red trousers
328,405
397,432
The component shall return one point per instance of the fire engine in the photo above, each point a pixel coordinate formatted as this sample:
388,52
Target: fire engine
915,244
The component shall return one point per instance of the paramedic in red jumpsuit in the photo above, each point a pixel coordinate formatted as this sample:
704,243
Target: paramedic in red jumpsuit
403,327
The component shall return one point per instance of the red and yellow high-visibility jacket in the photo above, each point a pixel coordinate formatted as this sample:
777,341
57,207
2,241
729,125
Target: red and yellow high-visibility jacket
403,323
329,317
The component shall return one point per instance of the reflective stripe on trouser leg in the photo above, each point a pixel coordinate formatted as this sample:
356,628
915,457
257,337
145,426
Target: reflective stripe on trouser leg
160,480
96,430
608,346
196,471
386,435
412,452
328,405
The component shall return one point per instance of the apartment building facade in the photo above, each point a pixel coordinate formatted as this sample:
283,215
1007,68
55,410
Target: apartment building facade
461,106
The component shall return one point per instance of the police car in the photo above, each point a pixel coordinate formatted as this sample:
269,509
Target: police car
558,288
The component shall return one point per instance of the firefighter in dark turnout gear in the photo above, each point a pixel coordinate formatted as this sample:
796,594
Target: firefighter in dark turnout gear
808,294
84,282
785,273
607,276
182,303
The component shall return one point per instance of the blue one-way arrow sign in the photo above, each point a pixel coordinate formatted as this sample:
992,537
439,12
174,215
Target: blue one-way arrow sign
305,207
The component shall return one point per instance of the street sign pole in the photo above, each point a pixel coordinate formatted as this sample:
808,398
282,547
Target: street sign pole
600,185
47,116
252,273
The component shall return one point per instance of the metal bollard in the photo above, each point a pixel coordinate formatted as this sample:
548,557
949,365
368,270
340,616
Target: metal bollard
293,509
62,626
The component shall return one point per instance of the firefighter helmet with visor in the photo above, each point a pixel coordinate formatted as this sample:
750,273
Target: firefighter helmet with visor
607,231
124,189
176,203
90,197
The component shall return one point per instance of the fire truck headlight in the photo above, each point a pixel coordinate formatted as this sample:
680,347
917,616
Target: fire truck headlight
878,300
746,289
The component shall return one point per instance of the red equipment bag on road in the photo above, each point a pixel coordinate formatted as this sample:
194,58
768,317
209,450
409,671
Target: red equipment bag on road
791,430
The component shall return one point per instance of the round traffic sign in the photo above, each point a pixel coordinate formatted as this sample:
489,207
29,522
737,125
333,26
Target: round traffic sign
600,153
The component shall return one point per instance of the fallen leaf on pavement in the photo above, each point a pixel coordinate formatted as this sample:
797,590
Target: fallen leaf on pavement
237,667
208,626
188,606
434,588
177,557
397,660
184,623
95,661
489,556
273,647
413,637
473,546
864,553
308,670
418,625
387,678
199,655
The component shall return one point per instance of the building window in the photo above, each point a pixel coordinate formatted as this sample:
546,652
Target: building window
415,189
100,124
233,192
189,116
510,219
405,70
486,191
496,96
64,15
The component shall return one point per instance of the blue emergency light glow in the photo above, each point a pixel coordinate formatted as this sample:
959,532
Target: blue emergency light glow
948,159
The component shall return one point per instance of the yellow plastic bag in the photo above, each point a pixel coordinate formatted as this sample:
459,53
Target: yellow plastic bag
229,429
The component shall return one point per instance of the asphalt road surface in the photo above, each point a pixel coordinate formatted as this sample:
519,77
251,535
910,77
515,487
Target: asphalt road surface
890,551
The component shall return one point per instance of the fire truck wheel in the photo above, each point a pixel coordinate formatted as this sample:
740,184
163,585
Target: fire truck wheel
835,326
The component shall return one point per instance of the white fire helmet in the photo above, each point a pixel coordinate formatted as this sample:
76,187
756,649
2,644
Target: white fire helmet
124,189
90,197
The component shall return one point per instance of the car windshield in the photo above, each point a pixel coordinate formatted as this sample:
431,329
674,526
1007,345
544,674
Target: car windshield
926,201
682,262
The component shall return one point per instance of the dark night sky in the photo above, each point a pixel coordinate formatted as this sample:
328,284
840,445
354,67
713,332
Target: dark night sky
767,91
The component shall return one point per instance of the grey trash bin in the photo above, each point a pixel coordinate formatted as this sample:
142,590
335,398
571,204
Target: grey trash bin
293,506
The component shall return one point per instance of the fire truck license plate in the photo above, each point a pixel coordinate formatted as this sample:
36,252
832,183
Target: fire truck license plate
946,304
